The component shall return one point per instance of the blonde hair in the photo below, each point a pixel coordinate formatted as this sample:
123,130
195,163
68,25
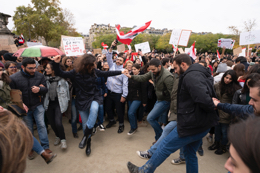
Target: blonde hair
16,142
128,62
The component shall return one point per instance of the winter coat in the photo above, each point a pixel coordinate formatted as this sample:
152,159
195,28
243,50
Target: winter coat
63,94
137,91
24,83
5,95
223,117
162,83
172,116
195,108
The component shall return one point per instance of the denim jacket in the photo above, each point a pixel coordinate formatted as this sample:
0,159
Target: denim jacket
63,95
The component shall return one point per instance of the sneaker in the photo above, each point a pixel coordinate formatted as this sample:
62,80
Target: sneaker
132,131
63,144
210,139
56,141
102,128
178,161
200,151
94,131
111,123
132,168
121,129
144,154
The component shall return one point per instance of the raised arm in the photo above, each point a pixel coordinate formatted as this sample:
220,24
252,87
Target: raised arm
110,54
59,72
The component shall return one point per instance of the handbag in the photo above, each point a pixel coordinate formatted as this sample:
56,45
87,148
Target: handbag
15,109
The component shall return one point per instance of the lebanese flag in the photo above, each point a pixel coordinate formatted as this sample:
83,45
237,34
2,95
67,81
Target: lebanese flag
128,37
192,51
104,45
175,48
218,55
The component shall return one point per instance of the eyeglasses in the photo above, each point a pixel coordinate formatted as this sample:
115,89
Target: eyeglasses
31,68
13,67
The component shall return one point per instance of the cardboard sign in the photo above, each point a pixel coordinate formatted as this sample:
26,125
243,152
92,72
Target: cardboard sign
247,38
30,44
237,51
184,38
121,48
97,51
228,43
175,36
73,46
3,42
181,50
145,47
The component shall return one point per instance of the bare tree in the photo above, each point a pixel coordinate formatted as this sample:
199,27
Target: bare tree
234,30
249,25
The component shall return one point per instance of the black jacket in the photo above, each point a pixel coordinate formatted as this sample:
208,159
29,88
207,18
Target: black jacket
137,90
24,83
195,108
85,85
239,98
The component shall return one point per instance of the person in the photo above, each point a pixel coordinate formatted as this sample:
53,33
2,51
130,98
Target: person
88,99
163,82
10,67
222,68
137,96
19,62
5,89
117,91
32,84
225,90
166,63
128,65
244,148
56,103
239,69
242,60
195,115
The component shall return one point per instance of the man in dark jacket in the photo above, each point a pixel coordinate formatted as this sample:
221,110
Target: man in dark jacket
195,115
32,84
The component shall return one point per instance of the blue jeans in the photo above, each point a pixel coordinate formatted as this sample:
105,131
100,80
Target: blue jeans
37,147
164,117
74,116
171,143
38,114
159,108
100,117
221,130
168,128
133,107
89,116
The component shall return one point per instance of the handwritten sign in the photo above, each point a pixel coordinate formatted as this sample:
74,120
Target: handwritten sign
121,48
184,38
228,43
145,47
73,46
175,36
247,38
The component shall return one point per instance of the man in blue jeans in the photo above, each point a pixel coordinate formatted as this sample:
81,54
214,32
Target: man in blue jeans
163,81
32,84
195,116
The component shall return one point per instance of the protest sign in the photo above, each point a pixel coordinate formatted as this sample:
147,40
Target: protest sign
3,42
175,36
243,53
228,43
145,47
121,48
181,50
252,37
29,44
97,51
184,38
237,51
73,46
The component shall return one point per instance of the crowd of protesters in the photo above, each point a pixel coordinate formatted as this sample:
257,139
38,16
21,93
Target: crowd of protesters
182,99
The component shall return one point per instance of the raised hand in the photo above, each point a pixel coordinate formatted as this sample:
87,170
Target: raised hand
57,58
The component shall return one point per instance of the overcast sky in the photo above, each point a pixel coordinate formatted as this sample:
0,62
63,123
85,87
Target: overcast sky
197,15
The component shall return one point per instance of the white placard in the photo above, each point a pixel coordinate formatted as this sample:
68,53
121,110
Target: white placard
175,36
73,46
187,50
145,47
30,44
184,37
228,43
247,38
243,53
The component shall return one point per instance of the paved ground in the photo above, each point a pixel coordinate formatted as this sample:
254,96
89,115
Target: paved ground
111,151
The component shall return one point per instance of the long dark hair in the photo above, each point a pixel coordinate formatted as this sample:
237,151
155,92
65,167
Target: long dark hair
239,69
245,138
230,88
84,64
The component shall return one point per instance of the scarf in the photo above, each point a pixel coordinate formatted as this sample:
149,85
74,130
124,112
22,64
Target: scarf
53,86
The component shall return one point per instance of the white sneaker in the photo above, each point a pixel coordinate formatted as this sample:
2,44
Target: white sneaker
56,141
63,144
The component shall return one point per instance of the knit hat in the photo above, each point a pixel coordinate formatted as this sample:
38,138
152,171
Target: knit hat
222,68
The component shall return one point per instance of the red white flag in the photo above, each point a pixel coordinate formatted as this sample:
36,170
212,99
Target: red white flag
104,45
218,55
128,37
175,48
192,51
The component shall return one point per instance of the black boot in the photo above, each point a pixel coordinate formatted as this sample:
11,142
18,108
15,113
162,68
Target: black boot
221,150
88,149
214,146
83,142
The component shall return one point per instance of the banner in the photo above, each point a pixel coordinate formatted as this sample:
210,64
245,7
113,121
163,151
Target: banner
145,47
30,44
73,46
247,38
228,43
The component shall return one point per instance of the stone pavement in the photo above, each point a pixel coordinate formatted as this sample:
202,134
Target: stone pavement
111,151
